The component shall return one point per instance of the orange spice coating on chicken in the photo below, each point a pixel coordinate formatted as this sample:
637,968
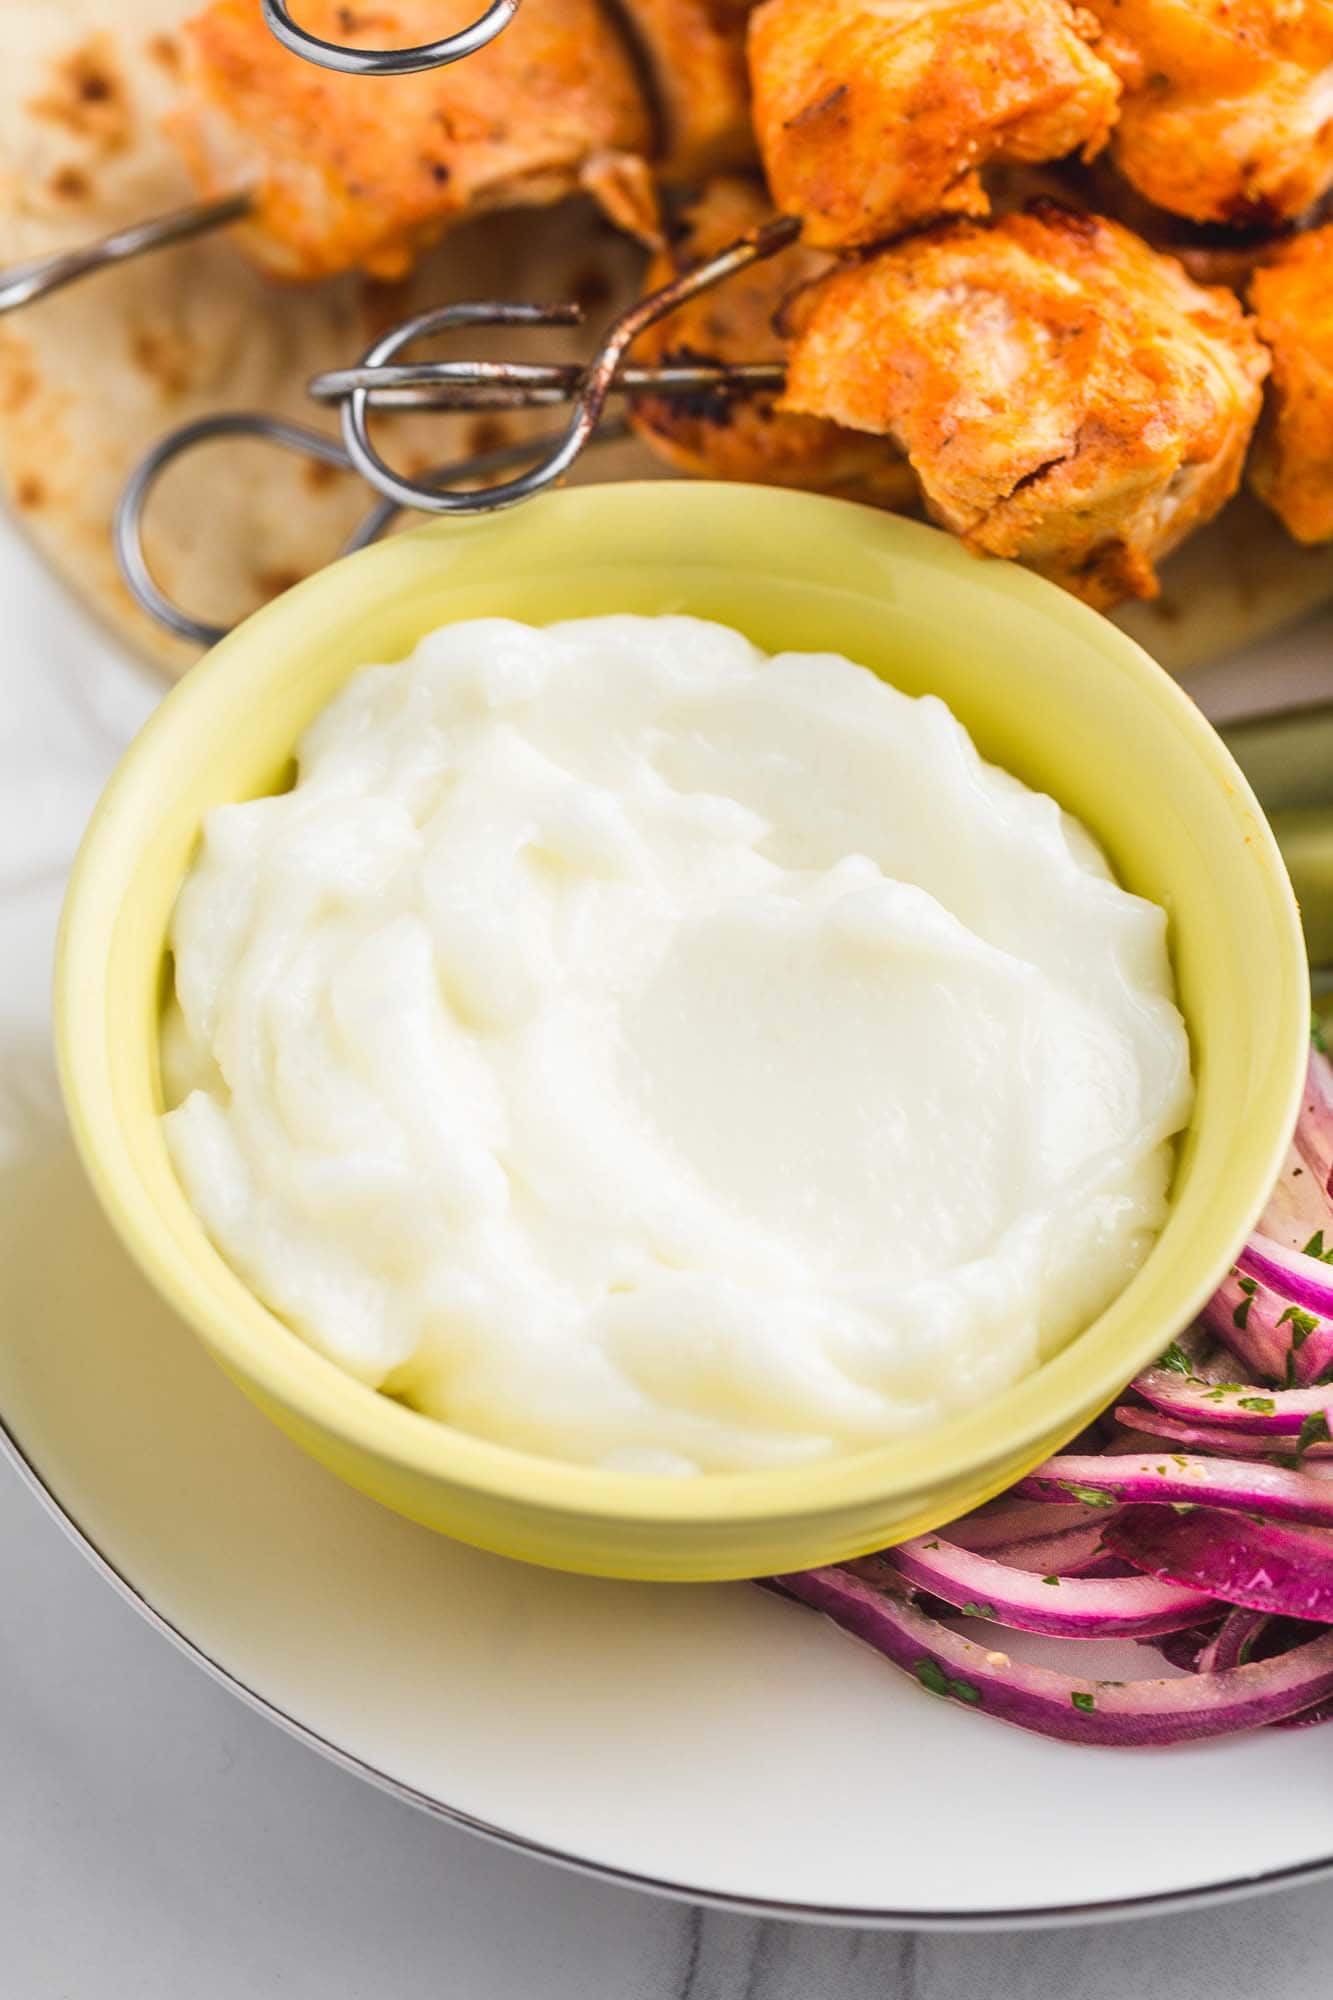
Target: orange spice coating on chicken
1228,107
351,172
873,115
1292,466
740,437
694,53
1066,395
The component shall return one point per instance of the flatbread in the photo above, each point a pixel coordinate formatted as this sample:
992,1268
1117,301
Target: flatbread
91,376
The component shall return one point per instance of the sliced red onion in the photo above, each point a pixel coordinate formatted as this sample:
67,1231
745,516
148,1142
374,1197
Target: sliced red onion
1182,1480
1018,1521
1301,1204
1308,1718
1274,1311
1240,1406
1314,1125
1070,1607
1233,1641
1063,1705
1073,1552
1307,1281
1211,1437
1283,1571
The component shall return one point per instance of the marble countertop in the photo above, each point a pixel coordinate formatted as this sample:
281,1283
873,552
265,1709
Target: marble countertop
159,1840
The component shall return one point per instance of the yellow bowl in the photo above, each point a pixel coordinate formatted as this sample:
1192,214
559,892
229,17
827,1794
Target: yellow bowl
1048,689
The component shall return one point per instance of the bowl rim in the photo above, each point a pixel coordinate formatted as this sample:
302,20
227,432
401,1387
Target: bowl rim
967,1446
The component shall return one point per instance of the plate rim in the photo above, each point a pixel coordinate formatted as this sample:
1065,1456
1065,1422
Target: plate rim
1049,1916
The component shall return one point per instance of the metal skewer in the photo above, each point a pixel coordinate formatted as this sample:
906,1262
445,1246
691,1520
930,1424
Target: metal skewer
131,508
518,385
388,62
461,385
22,283
589,394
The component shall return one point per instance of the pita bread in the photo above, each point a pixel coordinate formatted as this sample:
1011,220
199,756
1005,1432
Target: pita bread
91,376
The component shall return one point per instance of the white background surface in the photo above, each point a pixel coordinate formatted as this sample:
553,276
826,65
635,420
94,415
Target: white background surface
158,1839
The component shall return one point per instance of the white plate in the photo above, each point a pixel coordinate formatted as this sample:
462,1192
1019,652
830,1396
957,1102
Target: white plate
706,1740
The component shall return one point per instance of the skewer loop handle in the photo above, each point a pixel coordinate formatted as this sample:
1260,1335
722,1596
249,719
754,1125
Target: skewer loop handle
388,62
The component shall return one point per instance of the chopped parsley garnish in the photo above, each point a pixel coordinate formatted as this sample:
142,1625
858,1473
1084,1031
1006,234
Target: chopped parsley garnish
1087,1702
1302,1325
933,1678
1054,1581
1176,1360
1313,1431
932,1675
1183,1506
1091,1496
972,1610
1317,1034
1262,1406
1247,1285
1315,1248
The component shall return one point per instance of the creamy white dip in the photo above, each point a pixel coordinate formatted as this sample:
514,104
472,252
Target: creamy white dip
635,1049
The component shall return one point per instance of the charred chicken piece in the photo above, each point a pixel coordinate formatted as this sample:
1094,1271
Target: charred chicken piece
1228,108
874,115
1065,395
741,437
350,173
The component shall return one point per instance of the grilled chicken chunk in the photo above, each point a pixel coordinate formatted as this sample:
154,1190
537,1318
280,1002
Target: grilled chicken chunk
349,173
1065,395
873,115
740,437
1292,466
694,55
1228,108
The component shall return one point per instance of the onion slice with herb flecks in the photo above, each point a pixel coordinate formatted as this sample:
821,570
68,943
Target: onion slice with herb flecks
1263,1565
1188,1480
1214,1438
1054,1704
1069,1607
1239,1406
1274,1311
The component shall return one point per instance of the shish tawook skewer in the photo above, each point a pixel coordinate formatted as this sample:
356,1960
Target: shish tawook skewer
1065,395
323,172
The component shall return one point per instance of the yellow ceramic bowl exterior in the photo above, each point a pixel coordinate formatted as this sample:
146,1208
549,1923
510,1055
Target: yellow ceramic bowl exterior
1048,689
